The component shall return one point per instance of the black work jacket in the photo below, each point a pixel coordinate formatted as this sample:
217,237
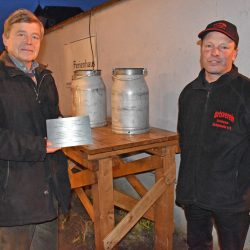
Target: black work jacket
214,127
29,178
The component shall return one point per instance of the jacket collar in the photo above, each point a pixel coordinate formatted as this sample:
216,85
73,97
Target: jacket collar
13,70
6,60
224,79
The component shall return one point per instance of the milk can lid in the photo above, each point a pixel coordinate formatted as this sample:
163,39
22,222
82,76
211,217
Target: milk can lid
129,71
82,73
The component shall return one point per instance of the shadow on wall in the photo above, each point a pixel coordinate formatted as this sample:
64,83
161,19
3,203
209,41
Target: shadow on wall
167,113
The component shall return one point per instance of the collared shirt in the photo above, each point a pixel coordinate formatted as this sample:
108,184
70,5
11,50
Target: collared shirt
30,72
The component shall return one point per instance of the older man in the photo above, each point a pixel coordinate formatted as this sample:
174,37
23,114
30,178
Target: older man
33,176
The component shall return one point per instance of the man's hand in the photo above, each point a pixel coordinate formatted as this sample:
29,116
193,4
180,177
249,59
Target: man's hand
50,150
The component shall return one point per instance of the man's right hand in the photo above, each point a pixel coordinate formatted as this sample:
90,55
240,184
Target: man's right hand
50,149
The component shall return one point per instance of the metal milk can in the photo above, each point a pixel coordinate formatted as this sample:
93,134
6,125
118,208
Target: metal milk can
89,96
130,101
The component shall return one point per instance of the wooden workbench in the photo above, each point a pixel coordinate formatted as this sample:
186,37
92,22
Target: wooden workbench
99,163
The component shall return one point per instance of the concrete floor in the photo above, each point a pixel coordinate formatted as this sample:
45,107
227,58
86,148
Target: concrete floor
76,232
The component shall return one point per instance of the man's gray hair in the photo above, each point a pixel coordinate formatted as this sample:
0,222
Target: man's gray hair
21,16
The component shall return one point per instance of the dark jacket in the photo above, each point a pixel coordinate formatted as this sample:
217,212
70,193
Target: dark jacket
214,127
28,176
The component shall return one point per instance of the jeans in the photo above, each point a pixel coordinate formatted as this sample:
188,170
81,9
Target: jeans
231,227
43,236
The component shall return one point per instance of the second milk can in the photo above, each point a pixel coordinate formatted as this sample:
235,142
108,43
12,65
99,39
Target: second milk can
130,101
89,96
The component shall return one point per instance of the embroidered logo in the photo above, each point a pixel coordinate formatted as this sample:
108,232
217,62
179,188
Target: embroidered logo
220,25
223,120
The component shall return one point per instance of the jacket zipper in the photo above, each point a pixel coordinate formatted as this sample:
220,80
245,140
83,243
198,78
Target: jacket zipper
200,138
236,182
37,90
207,98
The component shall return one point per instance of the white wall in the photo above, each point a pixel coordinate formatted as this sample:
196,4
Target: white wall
160,35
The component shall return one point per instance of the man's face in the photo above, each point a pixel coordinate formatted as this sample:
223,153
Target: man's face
23,42
217,55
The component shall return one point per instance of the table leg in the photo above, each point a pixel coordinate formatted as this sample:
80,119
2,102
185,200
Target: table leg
164,208
103,202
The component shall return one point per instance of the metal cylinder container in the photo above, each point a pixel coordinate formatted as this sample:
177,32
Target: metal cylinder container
130,101
89,96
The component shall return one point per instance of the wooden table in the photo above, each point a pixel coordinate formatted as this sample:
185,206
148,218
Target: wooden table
99,163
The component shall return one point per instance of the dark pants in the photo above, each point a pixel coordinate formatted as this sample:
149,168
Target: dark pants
43,236
231,228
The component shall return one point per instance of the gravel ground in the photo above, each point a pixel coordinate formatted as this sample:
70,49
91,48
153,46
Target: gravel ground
76,232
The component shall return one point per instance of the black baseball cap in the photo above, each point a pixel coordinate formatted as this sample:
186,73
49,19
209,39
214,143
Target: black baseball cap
224,27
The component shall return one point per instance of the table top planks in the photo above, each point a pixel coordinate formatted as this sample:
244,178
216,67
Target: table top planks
105,140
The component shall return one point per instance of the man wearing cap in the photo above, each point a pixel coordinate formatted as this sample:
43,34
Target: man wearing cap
214,126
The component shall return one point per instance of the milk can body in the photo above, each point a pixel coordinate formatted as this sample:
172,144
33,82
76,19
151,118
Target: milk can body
130,101
89,96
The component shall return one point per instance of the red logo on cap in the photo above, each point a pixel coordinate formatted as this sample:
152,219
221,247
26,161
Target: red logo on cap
220,26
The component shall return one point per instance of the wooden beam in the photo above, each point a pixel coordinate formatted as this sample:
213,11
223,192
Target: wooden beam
86,202
164,206
135,214
137,185
135,149
139,166
78,156
127,203
103,202
87,177
81,178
